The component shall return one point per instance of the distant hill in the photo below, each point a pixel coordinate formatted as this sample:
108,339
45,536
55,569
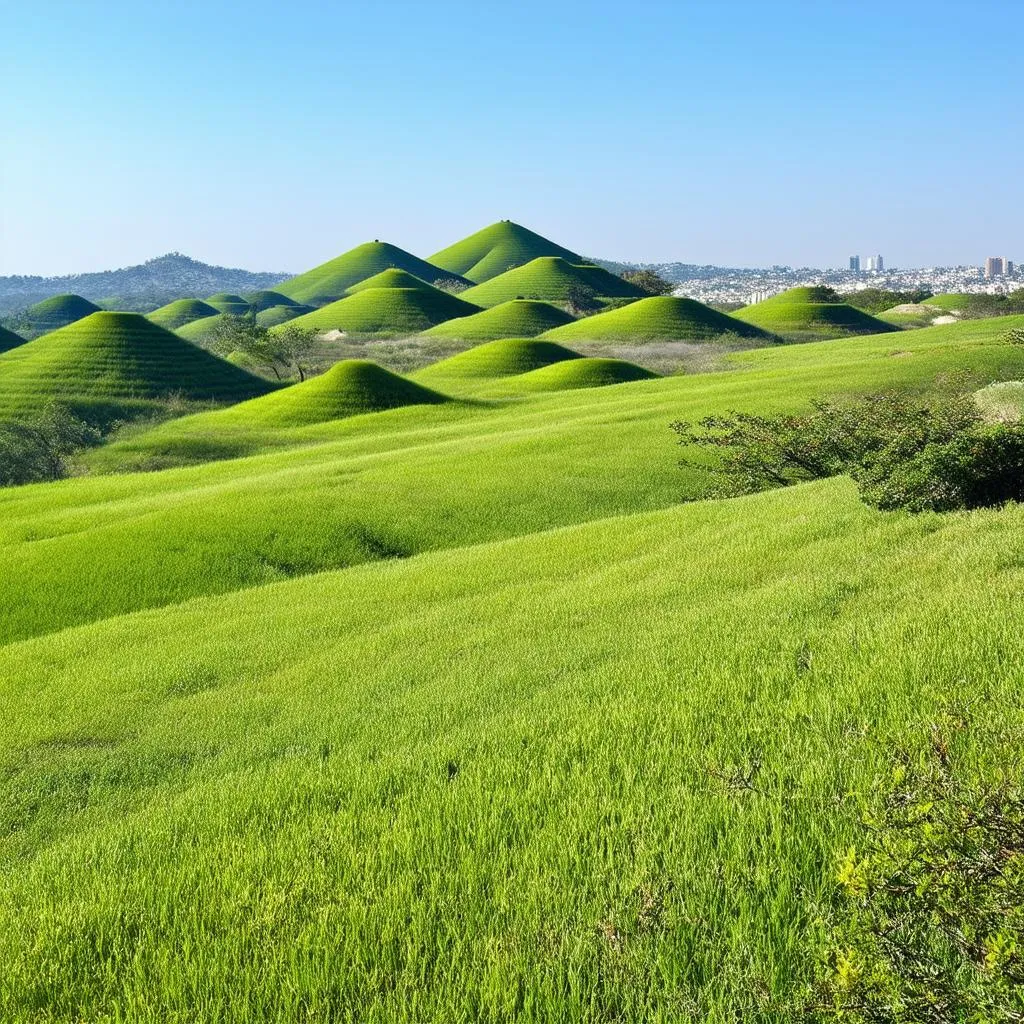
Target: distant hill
143,287
496,249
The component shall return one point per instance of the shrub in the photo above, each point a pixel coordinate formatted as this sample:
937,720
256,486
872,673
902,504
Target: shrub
39,448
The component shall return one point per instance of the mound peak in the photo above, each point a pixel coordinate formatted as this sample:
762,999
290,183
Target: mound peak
552,279
504,358
227,302
811,312
183,311
58,311
590,372
331,280
497,248
266,299
390,278
517,318
9,340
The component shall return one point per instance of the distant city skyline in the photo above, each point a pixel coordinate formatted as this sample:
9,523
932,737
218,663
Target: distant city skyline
668,131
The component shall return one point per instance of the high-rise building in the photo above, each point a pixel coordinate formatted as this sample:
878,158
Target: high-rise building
855,264
1008,268
875,263
995,266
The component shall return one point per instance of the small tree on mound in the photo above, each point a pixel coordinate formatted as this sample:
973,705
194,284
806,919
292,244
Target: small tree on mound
581,300
285,352
39,447
648,281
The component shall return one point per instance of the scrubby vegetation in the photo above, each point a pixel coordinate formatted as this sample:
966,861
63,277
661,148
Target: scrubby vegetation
39,446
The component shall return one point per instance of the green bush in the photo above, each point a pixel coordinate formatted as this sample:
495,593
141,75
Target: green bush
38,448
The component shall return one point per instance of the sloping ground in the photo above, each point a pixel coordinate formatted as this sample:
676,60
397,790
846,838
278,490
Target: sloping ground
332,280
491,783
910,314
225,302
519,318
199,331
387,311
798,313
1002,402
183,311
274,315
497,359
659,318
9,340
264,300
552,279
496,249
58,311
115,365
391,278
590,372
349,388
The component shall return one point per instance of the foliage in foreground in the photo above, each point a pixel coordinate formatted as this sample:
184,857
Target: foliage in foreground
920,454
39,448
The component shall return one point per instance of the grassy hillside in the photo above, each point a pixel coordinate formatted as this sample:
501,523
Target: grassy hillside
659,318
387,311
496,249
910,314
497,359
116,365
264,300
183,311
9,340
518,318
274,315
579,373
226,302
332,280
198,331
799,314
58,311
391,278
552,279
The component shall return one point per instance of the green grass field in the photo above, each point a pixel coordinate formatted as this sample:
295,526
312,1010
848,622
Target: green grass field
659,318
430,713
9,340
387,311
517,318
332,280
497,249
799,315
551,279
228,302
58,311
183,311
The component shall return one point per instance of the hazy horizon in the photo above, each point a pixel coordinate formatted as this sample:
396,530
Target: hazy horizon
243,137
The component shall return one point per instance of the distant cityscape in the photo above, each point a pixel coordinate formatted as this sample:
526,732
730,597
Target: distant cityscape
997,276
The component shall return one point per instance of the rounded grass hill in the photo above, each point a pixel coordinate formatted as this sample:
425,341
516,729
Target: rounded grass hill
274,315
589,372
658,318
519,318
811,313
58,311
497,248
198,331
390,278
387,311
267,299
111,365
227,302
330,281
183,311
349,388
552,279
503,358
9,340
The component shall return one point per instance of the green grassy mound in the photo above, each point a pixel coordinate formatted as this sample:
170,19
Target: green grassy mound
226,302
199,331
910,314
267,299
659,318
799,313
183,311
9,340
387,311
58,311
332,280
497,359
274,315
349,388
518,318
496,249
550,278
390,278
116,364
581,373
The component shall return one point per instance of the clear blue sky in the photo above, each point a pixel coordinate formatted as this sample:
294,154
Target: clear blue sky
275,135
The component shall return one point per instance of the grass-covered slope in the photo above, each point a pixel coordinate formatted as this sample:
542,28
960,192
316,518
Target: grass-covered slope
491,783
552,279
199,331
497,359
800,314
58,311
387,311
9,340
226,302
496,249
390,278
349,388
274,315
332,280
659,318
591,372
183,311
115,365
266,299
518,318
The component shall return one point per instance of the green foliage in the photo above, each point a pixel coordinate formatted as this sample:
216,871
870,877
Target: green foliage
877,300
497,249
38,447
648,281
659,318
553,279
285,352
518,318
929,924
979,306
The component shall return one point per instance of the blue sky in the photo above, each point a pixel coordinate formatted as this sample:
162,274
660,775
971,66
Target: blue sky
274,136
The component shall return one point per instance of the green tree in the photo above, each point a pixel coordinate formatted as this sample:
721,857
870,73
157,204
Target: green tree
648,281
39,447
286,351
